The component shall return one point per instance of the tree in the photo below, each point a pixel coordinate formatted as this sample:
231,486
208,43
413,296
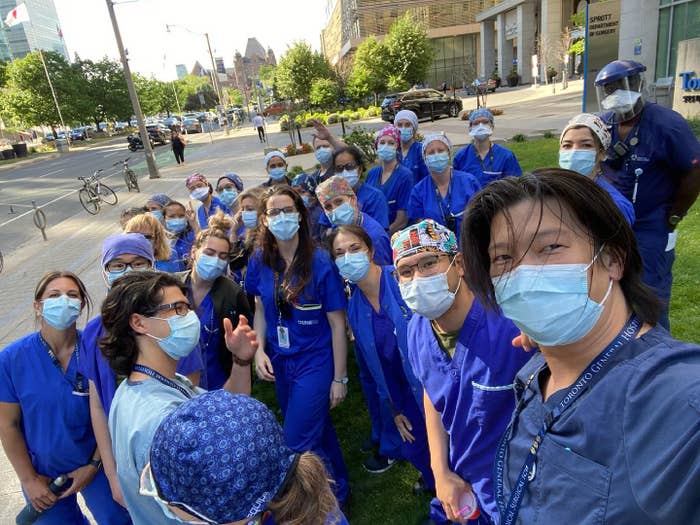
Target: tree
324,92
106,95
370,71
210,100
191,85
409,49
235,96
297,70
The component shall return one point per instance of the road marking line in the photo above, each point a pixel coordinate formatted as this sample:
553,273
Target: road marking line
51,173
110,154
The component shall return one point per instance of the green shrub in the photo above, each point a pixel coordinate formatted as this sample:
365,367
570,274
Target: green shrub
355,115
519,138
363,138
548,135
332,119
294,171
284,123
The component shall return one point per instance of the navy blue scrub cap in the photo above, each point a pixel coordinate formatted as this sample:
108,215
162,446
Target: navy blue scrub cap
131,243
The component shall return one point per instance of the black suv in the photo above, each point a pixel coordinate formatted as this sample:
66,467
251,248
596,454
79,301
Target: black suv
423,102
158,133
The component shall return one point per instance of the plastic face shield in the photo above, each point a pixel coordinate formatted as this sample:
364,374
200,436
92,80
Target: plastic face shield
622,97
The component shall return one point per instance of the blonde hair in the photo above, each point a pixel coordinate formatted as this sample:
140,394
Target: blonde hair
148,222
219,226
309,499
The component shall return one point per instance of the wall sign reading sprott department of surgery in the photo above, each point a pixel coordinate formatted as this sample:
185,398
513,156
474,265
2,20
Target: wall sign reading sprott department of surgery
686,93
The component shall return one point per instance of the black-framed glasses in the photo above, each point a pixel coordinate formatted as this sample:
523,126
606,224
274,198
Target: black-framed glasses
425,265
181,308
346,167
119,266
274,212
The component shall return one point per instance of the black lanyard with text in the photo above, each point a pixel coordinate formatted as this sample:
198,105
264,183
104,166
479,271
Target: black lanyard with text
489,155
588,378
159,377
80,386
448,199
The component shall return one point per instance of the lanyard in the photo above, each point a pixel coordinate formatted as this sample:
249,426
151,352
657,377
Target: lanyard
448,199
158,377
588,378
489,155
79,385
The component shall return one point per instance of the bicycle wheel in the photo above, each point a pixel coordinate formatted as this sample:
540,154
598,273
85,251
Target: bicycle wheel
131,180
88,201
107,194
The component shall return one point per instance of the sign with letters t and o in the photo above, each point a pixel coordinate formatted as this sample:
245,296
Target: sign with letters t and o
686,92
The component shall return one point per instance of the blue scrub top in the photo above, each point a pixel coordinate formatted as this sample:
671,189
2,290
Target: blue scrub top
414,162
618,198
308,327
379,237
95,367
473,391
666,148
625,452
138,409
214,375
182,248
55,417
423,203
396,190
371,201
389,340
500,162
203,216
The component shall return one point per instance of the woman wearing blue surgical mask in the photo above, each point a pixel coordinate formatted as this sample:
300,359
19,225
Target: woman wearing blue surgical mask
410,155
229,187
155,205
200,190
45,411
276,167
583,147
379,317
391,177
443,196
181,225
482,158
611,394
305,185
214,297
149,328
300,321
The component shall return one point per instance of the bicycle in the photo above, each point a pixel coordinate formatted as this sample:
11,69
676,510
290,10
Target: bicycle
130,178
94,193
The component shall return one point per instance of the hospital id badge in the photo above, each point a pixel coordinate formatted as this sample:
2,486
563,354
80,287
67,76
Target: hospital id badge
282,336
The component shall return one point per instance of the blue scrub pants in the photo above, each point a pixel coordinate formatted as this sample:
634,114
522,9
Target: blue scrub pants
98,498
658,266
303,383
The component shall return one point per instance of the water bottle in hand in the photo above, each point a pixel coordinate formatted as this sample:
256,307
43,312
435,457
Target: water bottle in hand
29,514
468,506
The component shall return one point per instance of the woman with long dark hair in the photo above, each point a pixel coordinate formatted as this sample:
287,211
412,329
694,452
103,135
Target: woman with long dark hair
300,320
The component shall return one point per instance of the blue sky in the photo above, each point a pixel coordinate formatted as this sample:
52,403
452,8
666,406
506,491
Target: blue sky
153,51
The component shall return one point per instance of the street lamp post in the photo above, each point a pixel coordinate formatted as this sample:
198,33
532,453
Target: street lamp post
150,157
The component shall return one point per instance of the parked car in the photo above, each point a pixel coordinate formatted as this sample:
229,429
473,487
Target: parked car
158,133
173,123
192,125
276,108
79,134
119,126
423,102
481,85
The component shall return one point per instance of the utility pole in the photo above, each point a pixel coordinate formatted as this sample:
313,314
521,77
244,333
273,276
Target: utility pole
150,157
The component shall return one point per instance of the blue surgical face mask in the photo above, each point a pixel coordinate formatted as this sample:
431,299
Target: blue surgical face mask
250,218
429,297
351,176
549,302
200,194
406,134
228,197
176,225
285,226
61,312
308,202
278,174
438,162
579,160
343,214
158,214
353,266
386,153
210,267
184,335
324,155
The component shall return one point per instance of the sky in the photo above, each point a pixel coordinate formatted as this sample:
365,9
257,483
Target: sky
87,29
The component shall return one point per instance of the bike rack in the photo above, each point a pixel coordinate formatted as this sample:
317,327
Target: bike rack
39,219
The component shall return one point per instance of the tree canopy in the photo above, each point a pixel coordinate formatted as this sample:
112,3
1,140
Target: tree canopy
297,70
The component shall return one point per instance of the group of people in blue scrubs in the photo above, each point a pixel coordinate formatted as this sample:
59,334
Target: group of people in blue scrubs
510,332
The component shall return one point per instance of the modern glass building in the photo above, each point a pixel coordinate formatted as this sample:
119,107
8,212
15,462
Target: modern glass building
43,31
678,20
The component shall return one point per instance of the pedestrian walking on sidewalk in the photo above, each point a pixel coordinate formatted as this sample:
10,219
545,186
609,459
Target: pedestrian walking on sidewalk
178,143
259,124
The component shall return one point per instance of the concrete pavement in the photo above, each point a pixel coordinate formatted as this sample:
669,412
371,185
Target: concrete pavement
74,243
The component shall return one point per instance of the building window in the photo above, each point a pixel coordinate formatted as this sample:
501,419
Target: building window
678,20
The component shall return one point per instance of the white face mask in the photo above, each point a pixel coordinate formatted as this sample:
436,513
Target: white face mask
481,131
621,101
429,297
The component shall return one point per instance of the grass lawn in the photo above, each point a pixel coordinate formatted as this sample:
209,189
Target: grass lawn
387,498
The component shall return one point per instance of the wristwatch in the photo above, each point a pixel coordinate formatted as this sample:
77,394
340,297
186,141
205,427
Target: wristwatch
342,380
673,220
97,463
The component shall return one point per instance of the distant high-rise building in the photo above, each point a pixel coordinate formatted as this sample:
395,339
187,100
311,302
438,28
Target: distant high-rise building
220,68
246,68
43,31
181,70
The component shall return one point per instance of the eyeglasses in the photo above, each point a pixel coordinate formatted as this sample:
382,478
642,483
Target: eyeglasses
274,212
181,308
345,167
222,189
119,266
425,265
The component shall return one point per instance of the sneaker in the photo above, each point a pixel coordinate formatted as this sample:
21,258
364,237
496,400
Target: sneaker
368,445
378,464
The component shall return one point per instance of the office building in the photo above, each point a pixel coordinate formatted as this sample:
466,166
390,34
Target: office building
246,67
43,31
181,70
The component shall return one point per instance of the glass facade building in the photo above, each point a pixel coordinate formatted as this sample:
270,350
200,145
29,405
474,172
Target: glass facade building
678,20
43,31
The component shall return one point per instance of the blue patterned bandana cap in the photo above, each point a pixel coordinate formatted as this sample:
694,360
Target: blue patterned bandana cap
425,236
305,182
221,454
